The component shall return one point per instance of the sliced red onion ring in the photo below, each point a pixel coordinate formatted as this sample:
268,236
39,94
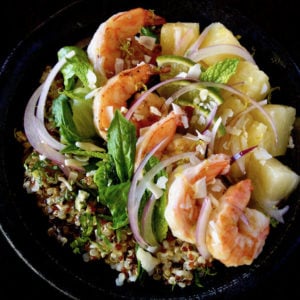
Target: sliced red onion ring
196,45
209,51
31,123
240,154
134,201
210,117
201,227
137,189
47,84
152,89
246,97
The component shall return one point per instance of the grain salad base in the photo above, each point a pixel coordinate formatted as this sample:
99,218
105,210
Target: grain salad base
62,201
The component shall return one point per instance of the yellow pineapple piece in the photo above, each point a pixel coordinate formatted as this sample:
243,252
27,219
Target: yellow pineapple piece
175,38
218,34
250,80
283,117
272,181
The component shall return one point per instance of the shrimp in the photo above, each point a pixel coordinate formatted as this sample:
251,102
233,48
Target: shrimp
115,93
111,36
151,110
184,204
165,128
236,234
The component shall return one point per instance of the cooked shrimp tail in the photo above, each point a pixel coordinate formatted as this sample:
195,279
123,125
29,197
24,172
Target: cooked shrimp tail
115,93
114,34
236,234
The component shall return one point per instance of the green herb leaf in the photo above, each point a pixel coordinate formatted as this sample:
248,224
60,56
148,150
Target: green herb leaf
159,223
63,118
121,146
77,66
147,31
72,149
221,71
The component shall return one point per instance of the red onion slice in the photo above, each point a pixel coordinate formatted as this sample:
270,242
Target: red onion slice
201,227
47,84
146,224
152,89
134,200
31,125
209,51
196,45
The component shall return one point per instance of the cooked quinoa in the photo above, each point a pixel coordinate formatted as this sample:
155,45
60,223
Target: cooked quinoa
77,219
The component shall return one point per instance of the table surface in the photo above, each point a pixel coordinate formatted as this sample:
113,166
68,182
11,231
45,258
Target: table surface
278,18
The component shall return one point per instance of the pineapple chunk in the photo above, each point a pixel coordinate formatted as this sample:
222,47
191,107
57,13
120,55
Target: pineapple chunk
230,107
175,38
218,34
283,118
272,181
250,80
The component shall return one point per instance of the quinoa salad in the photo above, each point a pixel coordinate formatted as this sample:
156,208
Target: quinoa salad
154,148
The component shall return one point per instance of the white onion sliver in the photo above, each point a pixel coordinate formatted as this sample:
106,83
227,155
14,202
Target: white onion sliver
222,49
201,227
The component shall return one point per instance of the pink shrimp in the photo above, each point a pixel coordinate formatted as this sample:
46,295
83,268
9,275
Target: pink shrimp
115,93
184,206
106,44
236,234
165,128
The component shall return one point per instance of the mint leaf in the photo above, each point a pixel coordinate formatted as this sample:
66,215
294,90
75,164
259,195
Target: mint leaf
77,66
221,71
121,141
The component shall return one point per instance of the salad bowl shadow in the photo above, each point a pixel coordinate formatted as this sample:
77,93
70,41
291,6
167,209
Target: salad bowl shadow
22,222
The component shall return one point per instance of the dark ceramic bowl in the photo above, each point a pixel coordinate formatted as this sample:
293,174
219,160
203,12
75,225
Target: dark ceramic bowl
22,222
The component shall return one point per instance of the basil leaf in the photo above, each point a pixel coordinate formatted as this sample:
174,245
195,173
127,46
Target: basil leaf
121,141
117,204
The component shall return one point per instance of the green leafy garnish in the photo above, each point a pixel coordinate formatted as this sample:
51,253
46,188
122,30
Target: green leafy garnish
77,66
113,175
221,71
121,146
63,118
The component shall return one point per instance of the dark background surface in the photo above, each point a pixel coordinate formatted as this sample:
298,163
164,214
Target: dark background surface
279,19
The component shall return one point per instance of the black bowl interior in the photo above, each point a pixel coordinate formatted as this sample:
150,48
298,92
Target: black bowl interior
22,222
